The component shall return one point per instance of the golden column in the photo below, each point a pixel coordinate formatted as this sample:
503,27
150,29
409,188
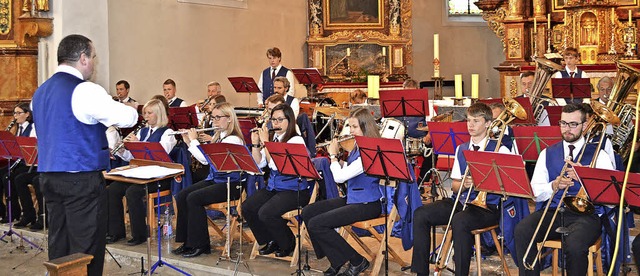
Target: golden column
516,9
539,8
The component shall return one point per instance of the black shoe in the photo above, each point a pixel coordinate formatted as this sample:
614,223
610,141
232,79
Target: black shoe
285,252
24,222
181,250
113,238
36,226
355,270
6,219
488,251
271,247
331,271
195,252
134,242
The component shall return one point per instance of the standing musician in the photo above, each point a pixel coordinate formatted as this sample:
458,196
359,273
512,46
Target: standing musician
72,114
192,229
361,203
263,209
437,213
275,69
156,116
547,183
24,127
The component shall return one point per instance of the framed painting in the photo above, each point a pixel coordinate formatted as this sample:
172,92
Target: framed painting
561,4
353,14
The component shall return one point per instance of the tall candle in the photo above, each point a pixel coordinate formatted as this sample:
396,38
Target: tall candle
384,51
629,17
348,52
535,25
475,81
436,46
549,21
458,86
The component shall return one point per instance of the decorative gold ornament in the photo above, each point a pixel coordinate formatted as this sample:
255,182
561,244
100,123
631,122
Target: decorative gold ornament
5,17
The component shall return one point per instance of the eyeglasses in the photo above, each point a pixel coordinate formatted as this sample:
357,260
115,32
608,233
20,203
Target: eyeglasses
217,118
18,113
279,120
571,125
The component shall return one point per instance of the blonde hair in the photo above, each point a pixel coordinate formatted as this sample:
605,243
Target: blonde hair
157,107
233,128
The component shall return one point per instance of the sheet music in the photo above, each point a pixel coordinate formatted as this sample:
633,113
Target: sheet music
146,172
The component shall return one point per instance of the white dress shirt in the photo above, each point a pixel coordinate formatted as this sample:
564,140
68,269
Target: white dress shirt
289,77
455,170
197,152
272,165
182,104
167,141
343,173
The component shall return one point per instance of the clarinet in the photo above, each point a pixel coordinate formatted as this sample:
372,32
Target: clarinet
11,124
134,132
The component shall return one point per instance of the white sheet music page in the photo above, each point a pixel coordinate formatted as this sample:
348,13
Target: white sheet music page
146,172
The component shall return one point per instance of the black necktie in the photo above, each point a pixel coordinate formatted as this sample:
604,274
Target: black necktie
20,131
273,73
149,136
476,148
571,148
572,74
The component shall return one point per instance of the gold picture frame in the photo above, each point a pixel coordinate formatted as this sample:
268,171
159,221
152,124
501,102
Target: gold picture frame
561,4
353,14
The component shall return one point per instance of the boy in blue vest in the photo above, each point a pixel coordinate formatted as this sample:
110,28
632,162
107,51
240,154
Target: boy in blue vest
548,183
571,58
479,118
274,70
169,92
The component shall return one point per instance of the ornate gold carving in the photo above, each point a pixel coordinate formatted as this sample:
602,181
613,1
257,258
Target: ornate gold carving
515,43
31,28
495,20
539,8
315,18
5,16
513,87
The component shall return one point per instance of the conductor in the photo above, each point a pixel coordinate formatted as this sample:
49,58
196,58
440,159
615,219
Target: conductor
73,114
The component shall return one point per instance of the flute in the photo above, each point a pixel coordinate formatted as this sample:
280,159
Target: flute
197,130
270,130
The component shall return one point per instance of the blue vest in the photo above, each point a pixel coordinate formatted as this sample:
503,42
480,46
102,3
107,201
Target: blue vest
27,131
176,103
555,162
221,177
279,182
566,75
64,143
267,82
156,136
362,188
462,162
288,100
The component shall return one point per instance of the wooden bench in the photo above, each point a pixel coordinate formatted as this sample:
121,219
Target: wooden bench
70,265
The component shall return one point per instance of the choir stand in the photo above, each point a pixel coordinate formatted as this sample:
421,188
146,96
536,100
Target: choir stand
117,175
10,150
229,158
293,160
389,163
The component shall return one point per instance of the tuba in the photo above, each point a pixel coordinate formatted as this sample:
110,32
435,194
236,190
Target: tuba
622,133
544,71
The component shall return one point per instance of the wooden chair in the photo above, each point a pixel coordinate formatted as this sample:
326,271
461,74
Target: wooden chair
476,233
293,224
222,207
151,205
377,255
74,264
594,249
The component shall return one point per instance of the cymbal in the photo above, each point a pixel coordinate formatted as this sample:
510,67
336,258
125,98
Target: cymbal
341,113
423,128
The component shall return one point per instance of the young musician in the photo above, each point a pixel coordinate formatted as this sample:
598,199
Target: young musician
548,183
24,127
437,213
192,229
169,91
281,86
263,209
361,203
274,70
571,58
156,116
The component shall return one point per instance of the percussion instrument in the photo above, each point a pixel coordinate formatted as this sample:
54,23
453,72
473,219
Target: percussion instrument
413,146
392,128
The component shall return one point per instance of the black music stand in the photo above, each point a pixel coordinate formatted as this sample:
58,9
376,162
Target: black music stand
293,160
384,158
531,140
183,117
9,150
499,173
571,88
148,151
244,85
224,157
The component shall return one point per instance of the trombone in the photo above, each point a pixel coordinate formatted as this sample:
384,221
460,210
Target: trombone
512,110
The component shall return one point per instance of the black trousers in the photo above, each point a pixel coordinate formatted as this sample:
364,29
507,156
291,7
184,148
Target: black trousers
22,182
76,203
192,228
263,212
584,231
324,216
437,213
635,247
136,198
16,208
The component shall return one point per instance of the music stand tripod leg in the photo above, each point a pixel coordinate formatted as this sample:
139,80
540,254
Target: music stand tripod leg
240,253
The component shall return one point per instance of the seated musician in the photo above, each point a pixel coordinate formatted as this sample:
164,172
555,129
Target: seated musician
507,139
548,183
526,82
359,97
192,229
361,203
463,222
263,209
24,127
169,92
156,116
281,87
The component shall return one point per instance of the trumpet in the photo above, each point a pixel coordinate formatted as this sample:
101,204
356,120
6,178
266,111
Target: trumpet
256,129
11,124
263,118
134,132
205,103
347,142
197,130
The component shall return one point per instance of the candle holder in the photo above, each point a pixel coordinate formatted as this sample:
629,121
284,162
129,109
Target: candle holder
474,100
458,101
549,32
437,89
534,55
629,39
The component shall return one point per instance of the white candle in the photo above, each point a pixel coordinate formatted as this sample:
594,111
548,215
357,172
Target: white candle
348,52
436,46
629,17
458,86
535,25
549,21
384,51
475,79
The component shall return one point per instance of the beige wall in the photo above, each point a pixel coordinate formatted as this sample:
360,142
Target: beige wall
467,49
193,44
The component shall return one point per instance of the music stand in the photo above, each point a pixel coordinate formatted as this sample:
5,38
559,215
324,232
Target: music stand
404,103
9,150
114,175
224,157
244,85
309,77
384,158
148,151
499,173
555,112
447,136
531,140
571,88
183,117
526,105
293,160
